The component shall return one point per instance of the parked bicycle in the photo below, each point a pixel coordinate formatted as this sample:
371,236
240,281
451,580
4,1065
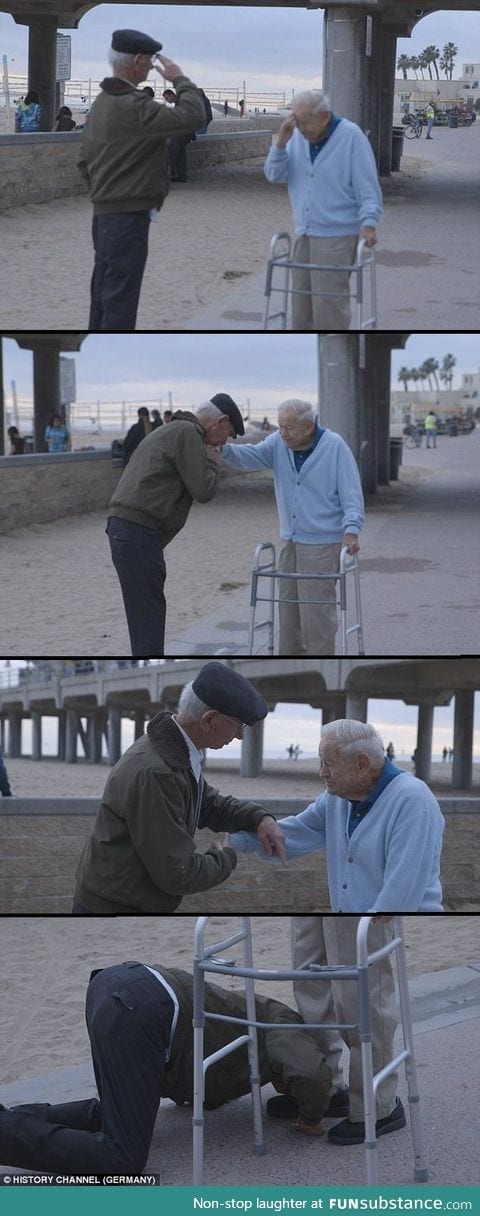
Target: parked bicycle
413,436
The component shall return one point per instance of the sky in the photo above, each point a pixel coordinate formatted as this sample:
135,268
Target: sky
300,724
271,49
267,368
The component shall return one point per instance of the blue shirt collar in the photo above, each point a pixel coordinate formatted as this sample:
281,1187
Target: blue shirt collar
389,771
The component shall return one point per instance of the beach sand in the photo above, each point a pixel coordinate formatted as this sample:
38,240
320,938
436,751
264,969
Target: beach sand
46,963
64,596
203,239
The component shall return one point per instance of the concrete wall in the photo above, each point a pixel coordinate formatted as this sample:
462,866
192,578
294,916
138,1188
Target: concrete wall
44,487
38,168
39,854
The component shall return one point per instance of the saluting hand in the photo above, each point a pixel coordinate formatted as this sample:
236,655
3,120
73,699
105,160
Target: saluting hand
286,131
167,68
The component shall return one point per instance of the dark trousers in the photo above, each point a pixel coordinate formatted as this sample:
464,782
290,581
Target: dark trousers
121,249
177,157
4,782
138,558
129,1018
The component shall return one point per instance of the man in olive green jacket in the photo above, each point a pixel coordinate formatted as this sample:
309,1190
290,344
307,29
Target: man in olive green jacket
124,162
141,857
170,468
139,1020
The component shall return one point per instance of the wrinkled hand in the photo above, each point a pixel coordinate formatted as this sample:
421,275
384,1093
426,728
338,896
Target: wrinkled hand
272,838
286,131
351,542
369,235
215,455
223,841
167,68
309,1129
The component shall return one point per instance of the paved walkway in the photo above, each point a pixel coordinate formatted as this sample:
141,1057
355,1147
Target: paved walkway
419,571
446,1017
429,246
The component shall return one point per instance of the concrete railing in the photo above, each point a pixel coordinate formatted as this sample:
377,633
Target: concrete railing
41,841
46,486
38,168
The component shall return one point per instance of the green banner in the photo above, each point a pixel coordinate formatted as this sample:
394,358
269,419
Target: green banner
117,1195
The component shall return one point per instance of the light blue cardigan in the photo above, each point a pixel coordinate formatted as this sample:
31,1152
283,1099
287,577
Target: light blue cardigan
391,863
321,501
339,193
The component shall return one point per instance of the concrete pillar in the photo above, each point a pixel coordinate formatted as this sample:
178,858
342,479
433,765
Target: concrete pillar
114,733
71,735
46,389
94,738
139,723
342,390
357,706
61,735
334,710
252,751
379,376
423,763
36,735
2,405
387,91
42,67
463,740
14,736
346,65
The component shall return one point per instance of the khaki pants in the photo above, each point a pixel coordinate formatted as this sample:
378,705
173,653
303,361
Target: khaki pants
330,940
311,311
307,628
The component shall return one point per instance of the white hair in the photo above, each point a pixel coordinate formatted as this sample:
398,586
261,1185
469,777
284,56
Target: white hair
208,412
355,739
119,59
190,706
315,100
302,409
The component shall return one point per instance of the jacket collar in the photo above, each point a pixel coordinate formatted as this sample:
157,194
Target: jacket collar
115,86
168,741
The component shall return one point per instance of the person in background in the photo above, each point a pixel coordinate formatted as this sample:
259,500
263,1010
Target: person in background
5,790
28,116
136,433
56,435
167,415
17,443
430,117
430,425
64,120
157,419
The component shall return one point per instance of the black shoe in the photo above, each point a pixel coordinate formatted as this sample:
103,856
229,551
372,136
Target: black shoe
285,1107
354,1133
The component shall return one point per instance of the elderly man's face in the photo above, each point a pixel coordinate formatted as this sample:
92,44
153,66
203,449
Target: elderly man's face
220,729
346,776
311,126
296,432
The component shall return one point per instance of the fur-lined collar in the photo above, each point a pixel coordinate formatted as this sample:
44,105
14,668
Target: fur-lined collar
168,741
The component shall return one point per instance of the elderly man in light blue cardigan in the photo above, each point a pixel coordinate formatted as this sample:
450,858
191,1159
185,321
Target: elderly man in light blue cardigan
381,828
320,505
329,167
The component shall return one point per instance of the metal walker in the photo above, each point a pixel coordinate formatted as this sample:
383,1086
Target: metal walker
280,258
268,569
206,961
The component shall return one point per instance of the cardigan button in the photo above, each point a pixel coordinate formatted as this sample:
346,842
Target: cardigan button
344,886
349,858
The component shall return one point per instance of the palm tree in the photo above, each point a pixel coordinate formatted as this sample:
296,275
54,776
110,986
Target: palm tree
448,56
432,53
405,376
430,368
404,64
422,63
423,374
446,373
427,56
415,64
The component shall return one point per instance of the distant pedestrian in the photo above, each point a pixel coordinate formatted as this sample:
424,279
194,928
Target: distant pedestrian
136,433
17,447
147,88
29,115
65,121
4,782
225,109
290,751
445,754
430,426
56,435
450,754
430,117
329,167
241,106
157,419
208,113
167,415
123,162
391,751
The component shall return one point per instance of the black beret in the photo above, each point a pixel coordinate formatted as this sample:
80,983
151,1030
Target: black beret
229,693
227,406
132,42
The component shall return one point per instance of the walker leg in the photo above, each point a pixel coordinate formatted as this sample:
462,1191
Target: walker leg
358,611
253,1046
420,1167
369,1104
198,1077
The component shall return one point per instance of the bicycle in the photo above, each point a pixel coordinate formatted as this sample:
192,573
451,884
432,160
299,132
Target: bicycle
413,436
413,127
